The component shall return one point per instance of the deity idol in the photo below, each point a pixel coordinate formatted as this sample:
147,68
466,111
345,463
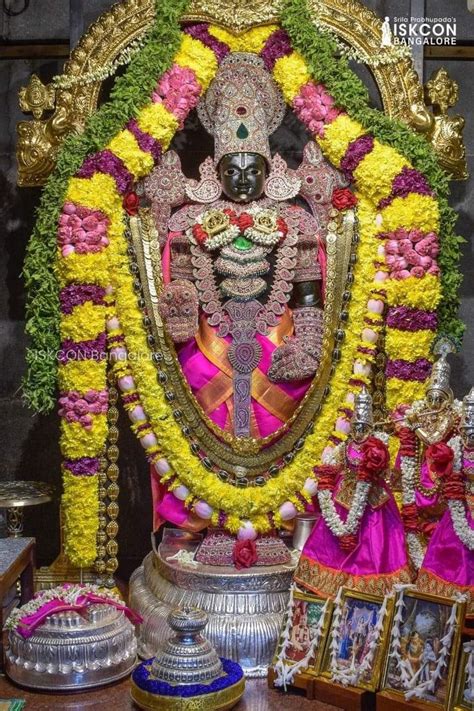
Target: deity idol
448,566
359,539
242,267
427,422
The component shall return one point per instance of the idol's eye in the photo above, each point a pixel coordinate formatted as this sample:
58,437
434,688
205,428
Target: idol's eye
255,171
230,171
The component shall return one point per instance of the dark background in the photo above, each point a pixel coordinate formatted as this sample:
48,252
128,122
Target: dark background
29,444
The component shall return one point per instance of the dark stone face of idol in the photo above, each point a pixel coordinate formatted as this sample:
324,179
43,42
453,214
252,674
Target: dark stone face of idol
242,176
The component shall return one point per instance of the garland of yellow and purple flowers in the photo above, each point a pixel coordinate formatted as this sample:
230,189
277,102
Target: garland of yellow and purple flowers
406,244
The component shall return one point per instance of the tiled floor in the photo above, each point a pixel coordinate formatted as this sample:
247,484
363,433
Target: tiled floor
257,697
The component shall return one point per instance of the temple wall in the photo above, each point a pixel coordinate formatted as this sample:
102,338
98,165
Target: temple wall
30,444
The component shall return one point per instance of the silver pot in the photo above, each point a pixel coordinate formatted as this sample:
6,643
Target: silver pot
69,651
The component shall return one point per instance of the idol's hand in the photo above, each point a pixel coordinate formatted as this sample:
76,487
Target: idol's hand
293,360
179,309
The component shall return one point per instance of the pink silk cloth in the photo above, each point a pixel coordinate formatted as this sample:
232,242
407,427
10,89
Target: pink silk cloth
380,551
29,623
448,564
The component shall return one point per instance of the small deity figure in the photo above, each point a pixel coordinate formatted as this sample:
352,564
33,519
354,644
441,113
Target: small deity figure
448,565
358,540
427,422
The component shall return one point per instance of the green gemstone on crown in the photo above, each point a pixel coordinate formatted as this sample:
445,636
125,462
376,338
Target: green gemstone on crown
242,243
242,131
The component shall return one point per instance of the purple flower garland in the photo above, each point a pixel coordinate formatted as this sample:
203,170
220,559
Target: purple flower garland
419,369
108,163
200,32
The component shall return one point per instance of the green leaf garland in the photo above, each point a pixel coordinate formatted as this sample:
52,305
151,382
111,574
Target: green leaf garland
350,93
130,93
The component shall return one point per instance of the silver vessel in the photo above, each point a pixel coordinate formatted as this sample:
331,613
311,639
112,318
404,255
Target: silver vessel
187,657
69,651
245,607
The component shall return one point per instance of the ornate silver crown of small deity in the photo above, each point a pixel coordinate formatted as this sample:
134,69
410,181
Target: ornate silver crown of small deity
242,107
441,372
363,407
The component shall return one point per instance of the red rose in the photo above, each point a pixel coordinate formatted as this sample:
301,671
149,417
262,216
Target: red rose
410,517
407,442
245,220
454,489
244,554
375,456
200,235
282,226
440,457
131,203
343,199
326,476
231,215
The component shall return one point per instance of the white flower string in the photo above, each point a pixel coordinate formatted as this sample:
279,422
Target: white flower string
185,558
468,690
351,676
457,508
333,521
68,594
284,671
63,81
408,470
395,641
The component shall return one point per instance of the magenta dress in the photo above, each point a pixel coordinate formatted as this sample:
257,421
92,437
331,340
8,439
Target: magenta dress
448,565
374,565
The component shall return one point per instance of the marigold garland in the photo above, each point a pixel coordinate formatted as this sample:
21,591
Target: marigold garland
131,155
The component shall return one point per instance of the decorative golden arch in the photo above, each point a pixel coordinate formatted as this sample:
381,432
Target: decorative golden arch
401,92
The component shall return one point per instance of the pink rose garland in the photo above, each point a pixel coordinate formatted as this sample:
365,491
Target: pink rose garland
82,230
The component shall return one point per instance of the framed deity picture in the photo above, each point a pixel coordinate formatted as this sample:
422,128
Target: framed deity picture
464,692
357,639
424,644
304,632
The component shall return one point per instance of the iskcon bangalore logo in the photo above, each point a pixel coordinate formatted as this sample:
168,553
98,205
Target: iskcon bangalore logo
418,31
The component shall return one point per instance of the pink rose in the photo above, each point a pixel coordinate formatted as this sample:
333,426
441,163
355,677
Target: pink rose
90,223
392,247
426,262
405,244
417,272
434,270
399,263
81,407
69,208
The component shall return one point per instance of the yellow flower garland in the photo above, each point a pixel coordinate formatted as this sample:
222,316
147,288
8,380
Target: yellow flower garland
374,176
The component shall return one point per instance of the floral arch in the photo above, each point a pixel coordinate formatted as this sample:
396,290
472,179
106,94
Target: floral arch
82,292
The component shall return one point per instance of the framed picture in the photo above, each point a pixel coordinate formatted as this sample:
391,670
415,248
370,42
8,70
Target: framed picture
356,642
464,693
306,626
423,649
